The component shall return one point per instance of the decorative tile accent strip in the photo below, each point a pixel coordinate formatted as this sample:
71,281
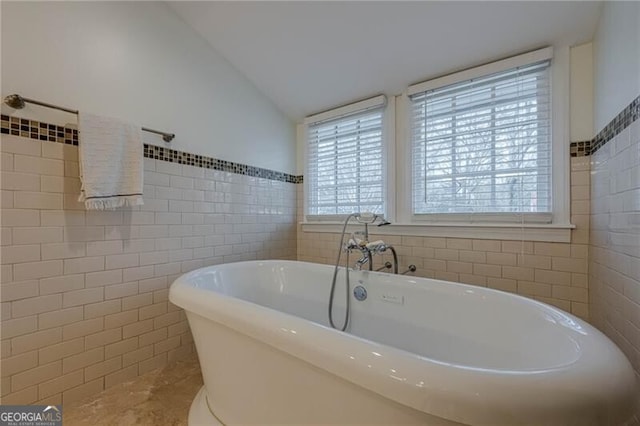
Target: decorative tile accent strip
580,149
173,156
51,133
627,116
36,130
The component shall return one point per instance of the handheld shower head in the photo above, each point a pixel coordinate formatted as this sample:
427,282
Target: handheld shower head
370,218
366,217
14,101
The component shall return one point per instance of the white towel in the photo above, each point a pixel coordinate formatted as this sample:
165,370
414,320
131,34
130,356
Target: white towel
111,162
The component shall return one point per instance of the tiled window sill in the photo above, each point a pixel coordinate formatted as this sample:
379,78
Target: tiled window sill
527,232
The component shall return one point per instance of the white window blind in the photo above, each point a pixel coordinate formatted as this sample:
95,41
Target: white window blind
483,146
345,164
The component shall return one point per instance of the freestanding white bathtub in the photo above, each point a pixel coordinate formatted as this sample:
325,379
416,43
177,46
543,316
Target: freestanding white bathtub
417,351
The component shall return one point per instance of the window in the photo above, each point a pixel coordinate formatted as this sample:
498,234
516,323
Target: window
480,153
345,160
482,146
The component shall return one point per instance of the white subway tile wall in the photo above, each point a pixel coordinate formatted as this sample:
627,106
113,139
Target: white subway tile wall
85,293
614,256
554,273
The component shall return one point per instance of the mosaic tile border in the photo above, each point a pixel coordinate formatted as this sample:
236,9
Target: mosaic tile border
627,116
580,149
36,130
52,133
174,156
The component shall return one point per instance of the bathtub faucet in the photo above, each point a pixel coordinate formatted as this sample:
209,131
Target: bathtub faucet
361,246
360,241
364,260
368,249
366,219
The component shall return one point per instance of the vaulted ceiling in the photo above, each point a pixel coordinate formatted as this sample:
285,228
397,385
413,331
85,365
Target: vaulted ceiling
311,56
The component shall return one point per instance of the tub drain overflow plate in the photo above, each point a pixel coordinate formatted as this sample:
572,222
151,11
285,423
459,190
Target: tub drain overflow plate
360,293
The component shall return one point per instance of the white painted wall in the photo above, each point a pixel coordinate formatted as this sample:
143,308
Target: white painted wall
295,50
139,61
616,60
581,92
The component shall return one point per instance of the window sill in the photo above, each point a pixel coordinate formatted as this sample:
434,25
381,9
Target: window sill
485,231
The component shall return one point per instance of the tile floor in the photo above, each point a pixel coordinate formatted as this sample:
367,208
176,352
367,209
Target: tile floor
160,397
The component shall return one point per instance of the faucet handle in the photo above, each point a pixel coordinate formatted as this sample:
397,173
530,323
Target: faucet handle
355,244
376,243
378,246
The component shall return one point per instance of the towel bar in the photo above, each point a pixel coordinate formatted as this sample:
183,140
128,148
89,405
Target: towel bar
16,101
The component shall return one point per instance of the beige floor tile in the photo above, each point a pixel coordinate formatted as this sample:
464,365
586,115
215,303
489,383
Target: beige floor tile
160,397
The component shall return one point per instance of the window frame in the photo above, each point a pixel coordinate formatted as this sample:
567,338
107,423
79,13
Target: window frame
498,226
399,175
421,145
388,157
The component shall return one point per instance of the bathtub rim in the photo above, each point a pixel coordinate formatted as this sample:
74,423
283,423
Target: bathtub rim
271,327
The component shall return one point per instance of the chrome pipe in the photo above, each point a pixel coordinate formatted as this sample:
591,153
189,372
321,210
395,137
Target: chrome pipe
395,258
387,265
412,268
